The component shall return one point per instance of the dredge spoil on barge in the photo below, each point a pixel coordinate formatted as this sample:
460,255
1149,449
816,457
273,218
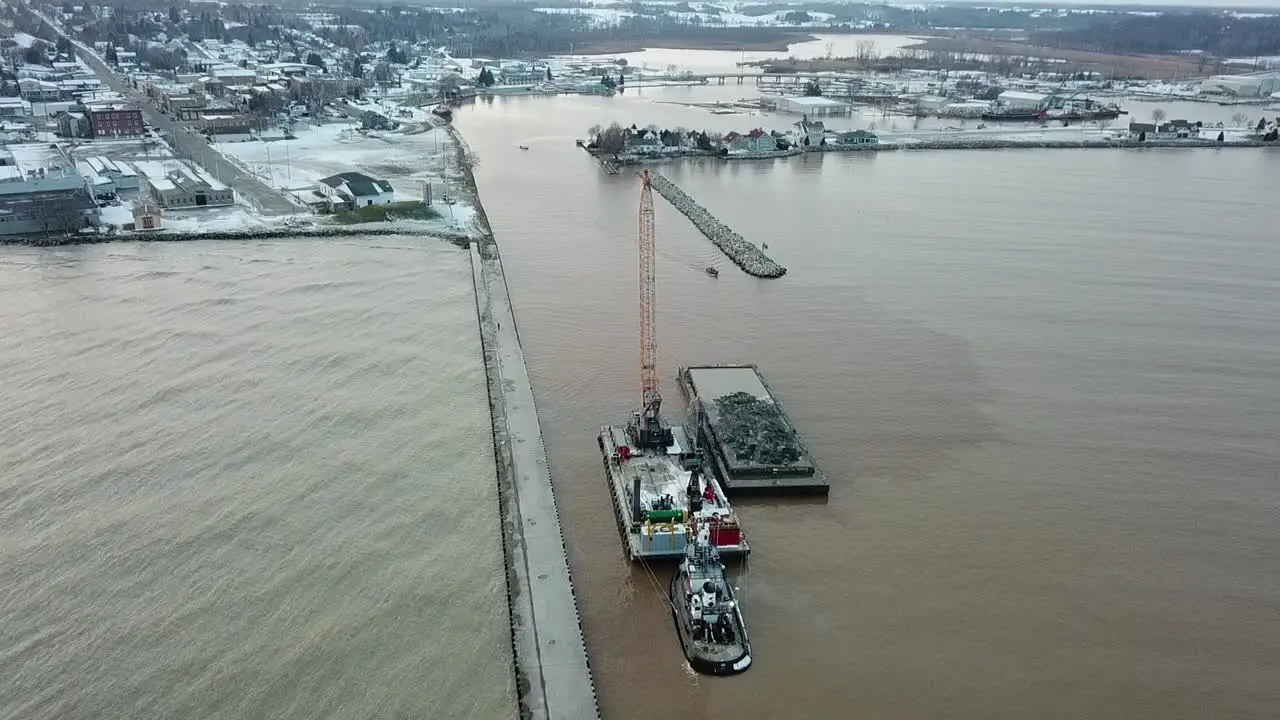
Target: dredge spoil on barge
751,444
708,618
660,493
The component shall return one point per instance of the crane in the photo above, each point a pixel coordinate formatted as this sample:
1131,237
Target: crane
651,431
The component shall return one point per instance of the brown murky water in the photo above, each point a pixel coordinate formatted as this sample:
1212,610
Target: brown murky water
1045,384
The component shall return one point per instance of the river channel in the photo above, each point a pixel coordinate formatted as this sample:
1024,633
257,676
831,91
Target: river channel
1045,386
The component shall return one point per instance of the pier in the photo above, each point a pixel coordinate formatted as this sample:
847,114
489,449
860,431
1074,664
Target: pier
745,255
553,678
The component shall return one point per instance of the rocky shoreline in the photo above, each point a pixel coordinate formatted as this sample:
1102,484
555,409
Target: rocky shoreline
744,254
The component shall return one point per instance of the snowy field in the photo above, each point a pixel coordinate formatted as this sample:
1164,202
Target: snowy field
408,158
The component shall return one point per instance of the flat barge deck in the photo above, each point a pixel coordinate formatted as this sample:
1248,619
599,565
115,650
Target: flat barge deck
748,439
661,495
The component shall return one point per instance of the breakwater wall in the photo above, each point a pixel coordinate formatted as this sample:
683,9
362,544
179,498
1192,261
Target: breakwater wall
552,672
249,234
997,144
744,254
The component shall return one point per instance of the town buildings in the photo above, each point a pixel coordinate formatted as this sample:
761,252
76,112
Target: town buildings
100,120
114,120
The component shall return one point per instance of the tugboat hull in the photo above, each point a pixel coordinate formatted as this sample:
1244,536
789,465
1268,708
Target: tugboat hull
709,658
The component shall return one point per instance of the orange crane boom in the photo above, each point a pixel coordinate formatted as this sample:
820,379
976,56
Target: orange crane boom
648,298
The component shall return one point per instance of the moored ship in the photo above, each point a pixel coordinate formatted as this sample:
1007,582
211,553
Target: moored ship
707,614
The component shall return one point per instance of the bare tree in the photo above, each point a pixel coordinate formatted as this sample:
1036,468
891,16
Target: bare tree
830,50
612,139
593,132
1104,123
865,52
1158,115
59,212
1239,120
447,85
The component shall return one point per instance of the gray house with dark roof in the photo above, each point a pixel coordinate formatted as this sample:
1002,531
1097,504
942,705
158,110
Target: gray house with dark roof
351,190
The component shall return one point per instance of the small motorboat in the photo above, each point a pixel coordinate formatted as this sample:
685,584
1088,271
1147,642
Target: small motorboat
524,147
708,618
713,272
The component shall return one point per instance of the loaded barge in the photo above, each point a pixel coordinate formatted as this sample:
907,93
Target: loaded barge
750,442
660,492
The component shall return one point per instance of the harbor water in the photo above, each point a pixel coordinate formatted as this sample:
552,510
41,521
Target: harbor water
255,479
247,480
1045,386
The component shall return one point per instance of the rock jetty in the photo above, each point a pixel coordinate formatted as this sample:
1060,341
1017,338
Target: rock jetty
745,255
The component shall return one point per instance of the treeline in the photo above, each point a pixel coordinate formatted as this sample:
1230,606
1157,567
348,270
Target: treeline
1213,33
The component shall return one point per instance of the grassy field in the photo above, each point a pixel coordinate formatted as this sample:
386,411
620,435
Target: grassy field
409,210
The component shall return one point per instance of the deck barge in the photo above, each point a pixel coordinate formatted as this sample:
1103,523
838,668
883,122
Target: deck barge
661,495
747,438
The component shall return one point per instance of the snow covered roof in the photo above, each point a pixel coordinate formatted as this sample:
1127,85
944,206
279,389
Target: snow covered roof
358,184
815,101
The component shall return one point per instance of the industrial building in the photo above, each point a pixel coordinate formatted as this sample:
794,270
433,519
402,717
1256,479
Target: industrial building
815,106
1262,84
1019,100
41,192
183,187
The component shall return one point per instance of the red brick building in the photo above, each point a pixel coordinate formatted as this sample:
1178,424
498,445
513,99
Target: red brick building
106,121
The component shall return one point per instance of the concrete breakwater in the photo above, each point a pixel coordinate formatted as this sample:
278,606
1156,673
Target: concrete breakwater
553,677
744,254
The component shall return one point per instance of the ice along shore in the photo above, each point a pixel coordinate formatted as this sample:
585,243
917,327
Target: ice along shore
553,677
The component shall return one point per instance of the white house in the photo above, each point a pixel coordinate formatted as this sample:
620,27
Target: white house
357,189
645,141
810,133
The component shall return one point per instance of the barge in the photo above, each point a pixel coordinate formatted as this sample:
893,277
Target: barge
749,441
660,492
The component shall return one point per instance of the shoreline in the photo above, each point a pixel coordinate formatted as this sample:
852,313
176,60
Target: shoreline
549,653
267,233
781,41
941,145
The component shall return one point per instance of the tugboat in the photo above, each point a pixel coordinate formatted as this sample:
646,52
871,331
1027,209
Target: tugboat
713,272
708,618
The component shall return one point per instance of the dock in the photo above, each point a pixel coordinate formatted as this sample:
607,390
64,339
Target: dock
553,678
744,254
747,438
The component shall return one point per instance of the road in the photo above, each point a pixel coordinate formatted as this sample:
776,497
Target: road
187,144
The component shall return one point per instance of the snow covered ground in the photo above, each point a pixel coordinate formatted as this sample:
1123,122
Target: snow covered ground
414,155
407,158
